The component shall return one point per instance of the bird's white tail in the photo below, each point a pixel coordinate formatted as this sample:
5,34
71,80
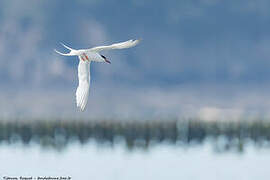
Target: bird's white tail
67,47
71,53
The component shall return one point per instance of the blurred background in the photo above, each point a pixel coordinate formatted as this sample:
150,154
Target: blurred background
190,101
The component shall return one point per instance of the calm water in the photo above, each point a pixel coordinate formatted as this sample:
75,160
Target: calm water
91,161
189,150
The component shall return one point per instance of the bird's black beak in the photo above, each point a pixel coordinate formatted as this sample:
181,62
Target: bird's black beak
107,61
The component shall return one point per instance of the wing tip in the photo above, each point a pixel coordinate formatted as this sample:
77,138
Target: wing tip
80,106
82,98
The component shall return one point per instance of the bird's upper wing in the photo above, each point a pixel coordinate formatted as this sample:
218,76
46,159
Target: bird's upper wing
82,92
122,45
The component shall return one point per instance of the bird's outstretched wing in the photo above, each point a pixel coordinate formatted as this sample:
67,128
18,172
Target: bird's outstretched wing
122,45
82,92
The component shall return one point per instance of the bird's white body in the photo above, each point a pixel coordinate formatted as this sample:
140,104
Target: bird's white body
85,58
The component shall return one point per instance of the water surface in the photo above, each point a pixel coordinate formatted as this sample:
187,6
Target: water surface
101,150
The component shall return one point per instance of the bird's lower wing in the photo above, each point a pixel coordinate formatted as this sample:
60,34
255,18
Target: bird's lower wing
122,45
82,92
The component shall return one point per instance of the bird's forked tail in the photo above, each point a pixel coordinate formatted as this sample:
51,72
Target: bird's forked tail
67,47
67,54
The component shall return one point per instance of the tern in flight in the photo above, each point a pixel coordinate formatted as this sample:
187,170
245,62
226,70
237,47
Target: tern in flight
85,58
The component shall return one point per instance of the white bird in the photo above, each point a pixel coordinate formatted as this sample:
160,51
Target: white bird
85,58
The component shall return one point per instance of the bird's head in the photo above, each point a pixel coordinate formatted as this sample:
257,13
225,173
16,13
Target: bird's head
105,59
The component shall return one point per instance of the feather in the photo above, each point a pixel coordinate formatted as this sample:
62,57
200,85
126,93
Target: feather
82,91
